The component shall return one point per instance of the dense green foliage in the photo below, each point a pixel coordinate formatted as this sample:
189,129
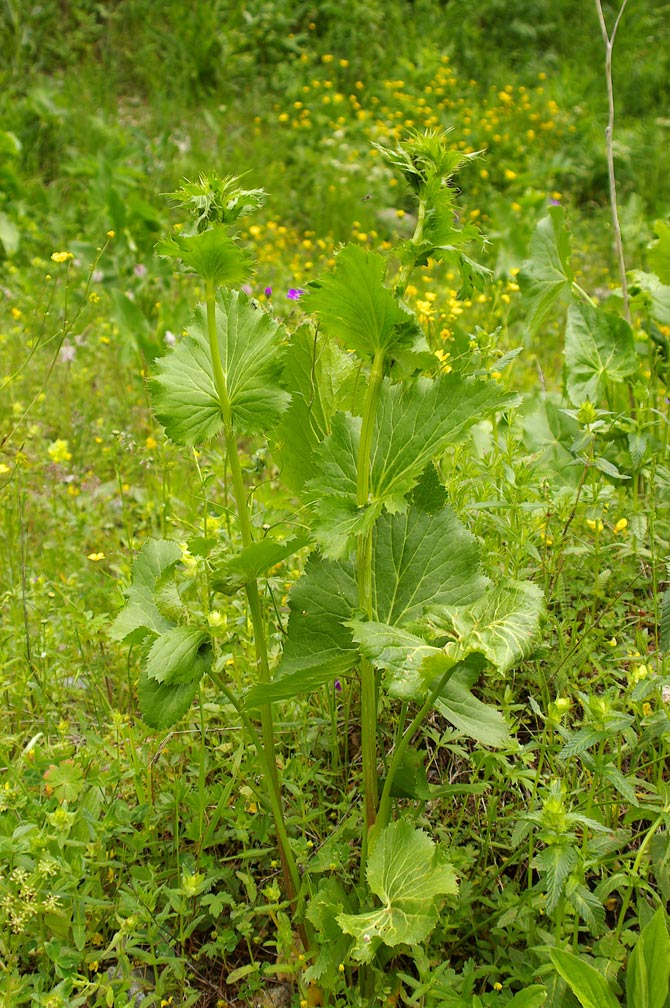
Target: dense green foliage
330,446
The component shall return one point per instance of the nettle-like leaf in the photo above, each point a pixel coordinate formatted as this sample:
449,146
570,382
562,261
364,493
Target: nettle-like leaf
323,908
161,705
407,873
253,562
173,655
416,424
422,562
184,393
141,617
211,254
319,377
353,304
599,348
546,274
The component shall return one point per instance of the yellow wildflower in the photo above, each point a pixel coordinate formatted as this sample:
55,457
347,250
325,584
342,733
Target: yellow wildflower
61,257
95,557
59,451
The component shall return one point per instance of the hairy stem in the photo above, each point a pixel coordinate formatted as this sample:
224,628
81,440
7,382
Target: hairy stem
364,578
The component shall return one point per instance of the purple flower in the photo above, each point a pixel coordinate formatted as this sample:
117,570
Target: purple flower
554,202
295,293
338,686
247,289
268,291
140,270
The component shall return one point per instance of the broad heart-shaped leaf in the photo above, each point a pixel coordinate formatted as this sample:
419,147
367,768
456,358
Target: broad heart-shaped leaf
407,874
599,348
648,972
546,274
319,377
212,254
140,617
466,712
501,624
162,705
184,393
353,304
236,571
421,561
173,657
588,985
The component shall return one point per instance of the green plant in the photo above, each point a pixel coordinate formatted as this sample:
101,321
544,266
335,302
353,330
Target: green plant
394,590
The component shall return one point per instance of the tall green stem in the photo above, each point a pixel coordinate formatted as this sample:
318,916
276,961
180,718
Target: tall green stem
269,759
364,579
401,747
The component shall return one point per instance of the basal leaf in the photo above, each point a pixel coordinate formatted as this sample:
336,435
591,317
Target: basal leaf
163,705
407,874
466,712
176,656
502,624
588,985
211,254
253,562
599,348
546,274
318,375
353,304
184,393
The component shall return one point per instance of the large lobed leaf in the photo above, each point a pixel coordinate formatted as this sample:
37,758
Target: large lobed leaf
599,348
184,392
406,872
413,426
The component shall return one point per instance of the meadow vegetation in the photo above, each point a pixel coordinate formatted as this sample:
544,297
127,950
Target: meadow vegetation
334,505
